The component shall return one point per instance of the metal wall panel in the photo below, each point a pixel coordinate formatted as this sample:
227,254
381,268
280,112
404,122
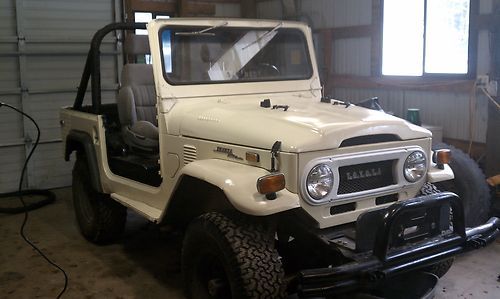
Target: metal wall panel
40,72
49,168
10,130
61,72
11,159
270,9
338,13
451,111
65,18
8,17
445,109
9,69
231,10
352,56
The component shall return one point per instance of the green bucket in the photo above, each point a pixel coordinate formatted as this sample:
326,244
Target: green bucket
413,116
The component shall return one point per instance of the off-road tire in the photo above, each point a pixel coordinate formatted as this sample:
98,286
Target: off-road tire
245,252
100,219
469,184
440,269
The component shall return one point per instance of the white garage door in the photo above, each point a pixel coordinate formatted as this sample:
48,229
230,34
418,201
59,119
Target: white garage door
43,47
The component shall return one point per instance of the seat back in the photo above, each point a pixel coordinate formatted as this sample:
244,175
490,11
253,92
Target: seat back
137,96
137,99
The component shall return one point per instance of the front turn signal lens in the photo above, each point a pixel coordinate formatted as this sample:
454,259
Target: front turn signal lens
271,183
442,156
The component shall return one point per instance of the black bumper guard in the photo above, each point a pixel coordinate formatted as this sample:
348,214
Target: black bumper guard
386,262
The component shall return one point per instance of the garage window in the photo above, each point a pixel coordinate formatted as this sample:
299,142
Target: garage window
146,17
425,37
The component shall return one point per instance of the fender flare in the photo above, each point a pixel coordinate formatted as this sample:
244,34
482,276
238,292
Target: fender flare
79,140
238,182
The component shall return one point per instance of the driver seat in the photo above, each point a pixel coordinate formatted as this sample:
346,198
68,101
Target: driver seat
137,102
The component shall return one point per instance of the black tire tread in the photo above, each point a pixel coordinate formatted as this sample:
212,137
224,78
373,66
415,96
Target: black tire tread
440,269
253,262
109,216
471,186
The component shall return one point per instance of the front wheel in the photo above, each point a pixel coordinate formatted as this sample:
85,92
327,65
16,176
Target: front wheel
230,257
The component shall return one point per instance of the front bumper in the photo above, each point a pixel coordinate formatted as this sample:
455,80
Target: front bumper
403,242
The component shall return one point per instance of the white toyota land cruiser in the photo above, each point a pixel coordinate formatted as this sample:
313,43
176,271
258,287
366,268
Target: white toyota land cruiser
226,137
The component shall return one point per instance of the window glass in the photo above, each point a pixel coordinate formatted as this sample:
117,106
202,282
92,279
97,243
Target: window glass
166,50
225,54
142,17
403,37
145,17
444,24
447,36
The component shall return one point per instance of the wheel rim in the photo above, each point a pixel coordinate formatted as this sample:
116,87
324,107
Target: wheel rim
212,276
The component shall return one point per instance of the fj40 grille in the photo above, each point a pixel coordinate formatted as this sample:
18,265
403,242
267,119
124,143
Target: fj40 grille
366,176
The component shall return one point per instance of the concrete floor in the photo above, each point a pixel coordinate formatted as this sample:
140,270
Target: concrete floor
145,263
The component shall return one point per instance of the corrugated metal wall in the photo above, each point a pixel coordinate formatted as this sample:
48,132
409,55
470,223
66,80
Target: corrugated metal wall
448,110
337,13
43,46
231,10
352,56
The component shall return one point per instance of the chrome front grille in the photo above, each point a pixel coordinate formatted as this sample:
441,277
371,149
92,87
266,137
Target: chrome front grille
366,176
361,174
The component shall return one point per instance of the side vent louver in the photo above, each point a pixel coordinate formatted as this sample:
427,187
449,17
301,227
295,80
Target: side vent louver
189,154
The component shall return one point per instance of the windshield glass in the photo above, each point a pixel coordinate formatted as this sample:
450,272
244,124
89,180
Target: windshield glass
218,54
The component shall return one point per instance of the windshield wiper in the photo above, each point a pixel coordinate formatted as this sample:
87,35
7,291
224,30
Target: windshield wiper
264,35
203,31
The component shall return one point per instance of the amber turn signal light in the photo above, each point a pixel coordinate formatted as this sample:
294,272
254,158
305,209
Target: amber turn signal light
271,183
443,156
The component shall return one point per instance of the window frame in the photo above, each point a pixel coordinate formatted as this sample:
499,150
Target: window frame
472,48
173,83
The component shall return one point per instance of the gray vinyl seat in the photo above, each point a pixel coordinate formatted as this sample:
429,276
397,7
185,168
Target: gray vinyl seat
137,107
137,99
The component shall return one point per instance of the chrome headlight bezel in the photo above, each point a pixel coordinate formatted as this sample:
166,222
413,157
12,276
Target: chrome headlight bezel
319,182
415,166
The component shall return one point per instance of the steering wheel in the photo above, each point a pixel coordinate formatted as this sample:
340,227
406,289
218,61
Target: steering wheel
269,68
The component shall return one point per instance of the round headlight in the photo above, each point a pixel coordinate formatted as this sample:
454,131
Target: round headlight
415,166
319,181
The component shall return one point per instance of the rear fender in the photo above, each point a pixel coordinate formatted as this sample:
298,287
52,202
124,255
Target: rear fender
238,182
82,143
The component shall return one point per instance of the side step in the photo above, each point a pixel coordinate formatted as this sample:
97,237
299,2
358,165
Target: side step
152,214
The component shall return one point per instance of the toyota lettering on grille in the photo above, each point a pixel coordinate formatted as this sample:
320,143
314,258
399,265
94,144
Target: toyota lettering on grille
365,173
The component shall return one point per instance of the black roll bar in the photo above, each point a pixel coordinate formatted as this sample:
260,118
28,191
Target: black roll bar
92,68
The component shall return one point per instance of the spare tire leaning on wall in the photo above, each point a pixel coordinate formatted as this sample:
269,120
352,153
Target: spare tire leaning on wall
469,184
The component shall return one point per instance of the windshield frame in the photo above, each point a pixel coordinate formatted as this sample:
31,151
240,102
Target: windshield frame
302,35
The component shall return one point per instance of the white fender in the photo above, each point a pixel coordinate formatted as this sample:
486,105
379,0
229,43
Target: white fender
238,182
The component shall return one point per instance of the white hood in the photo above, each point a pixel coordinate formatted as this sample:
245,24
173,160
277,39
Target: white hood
307,125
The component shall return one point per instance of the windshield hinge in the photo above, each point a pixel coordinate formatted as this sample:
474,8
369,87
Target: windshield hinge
274,152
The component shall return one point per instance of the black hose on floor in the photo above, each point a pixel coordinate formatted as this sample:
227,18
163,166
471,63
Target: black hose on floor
49,198
25,208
